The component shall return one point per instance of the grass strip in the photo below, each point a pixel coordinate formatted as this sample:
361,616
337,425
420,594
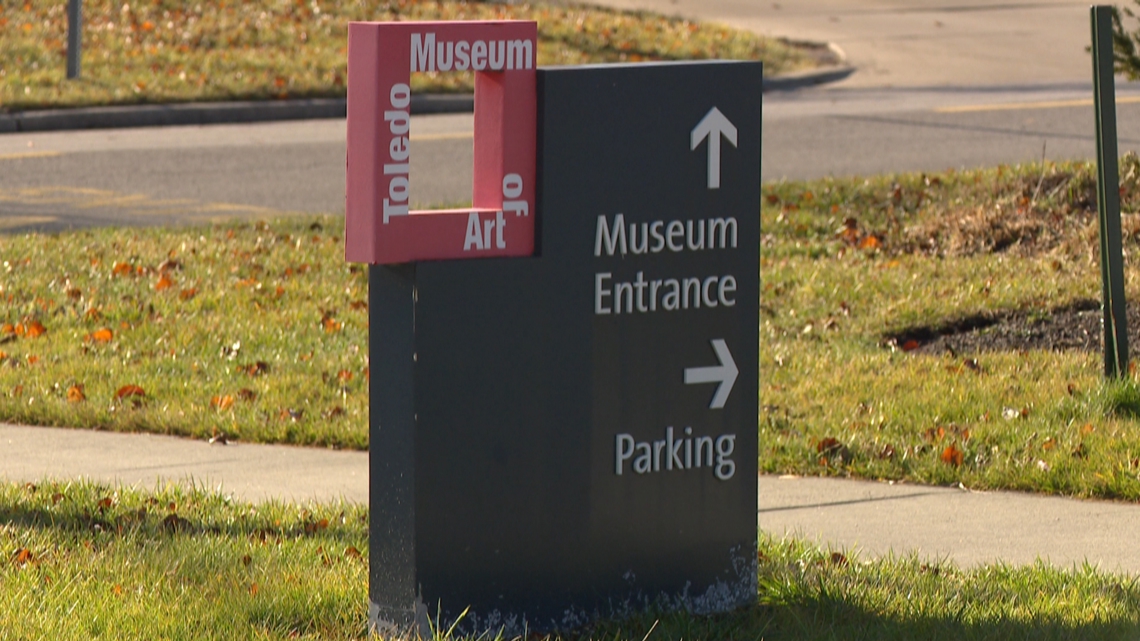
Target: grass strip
847,264
171,51
256,332
84,561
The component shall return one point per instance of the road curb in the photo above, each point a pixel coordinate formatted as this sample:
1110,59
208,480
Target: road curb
210,113
808,78
216,113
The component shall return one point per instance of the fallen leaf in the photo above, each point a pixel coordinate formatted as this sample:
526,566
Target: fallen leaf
121,269
359,304
888,452
910,345
253,589
334,412
246,560
952,455
8,328
838,558
33,359
129,390
75,394
1087,428
351,552
1049,444
23,556
344,376
254,369
828,445
870,241
103,335
164,282
246,394
75,293
187,294
222,403
35,329
105,503
117,590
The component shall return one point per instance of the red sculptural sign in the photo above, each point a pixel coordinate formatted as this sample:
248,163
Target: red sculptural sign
380,226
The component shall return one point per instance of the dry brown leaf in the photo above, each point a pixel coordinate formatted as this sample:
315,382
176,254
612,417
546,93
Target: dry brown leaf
129,390
164,282
222,403
952,455
75,394
189,293
35,329
102,335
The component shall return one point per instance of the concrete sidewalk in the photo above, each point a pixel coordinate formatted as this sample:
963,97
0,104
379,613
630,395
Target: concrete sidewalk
969,528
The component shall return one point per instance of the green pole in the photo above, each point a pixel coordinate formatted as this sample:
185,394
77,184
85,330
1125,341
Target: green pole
1108,197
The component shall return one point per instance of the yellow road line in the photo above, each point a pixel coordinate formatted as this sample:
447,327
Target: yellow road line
20,155
447,136
11,222
1018,106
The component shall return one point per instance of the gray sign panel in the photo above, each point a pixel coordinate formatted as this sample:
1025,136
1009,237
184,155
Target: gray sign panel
585,421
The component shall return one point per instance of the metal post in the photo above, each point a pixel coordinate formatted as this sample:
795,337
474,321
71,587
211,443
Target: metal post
392,589
74,31
1108,197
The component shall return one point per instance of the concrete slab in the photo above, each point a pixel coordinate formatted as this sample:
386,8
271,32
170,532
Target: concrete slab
247,471
966,527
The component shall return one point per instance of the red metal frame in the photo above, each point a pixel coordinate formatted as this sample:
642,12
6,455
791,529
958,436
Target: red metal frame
380,229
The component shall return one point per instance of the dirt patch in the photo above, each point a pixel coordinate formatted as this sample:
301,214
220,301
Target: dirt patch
1077,325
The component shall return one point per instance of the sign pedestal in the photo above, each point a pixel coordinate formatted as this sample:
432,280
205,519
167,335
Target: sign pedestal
574,434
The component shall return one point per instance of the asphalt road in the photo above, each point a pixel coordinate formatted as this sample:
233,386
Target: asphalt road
171,175
191,174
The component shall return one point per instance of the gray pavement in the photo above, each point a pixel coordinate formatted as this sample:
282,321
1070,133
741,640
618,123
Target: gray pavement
877,519
916,43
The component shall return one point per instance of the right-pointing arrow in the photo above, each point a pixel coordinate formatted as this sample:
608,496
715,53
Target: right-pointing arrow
713,126
725,374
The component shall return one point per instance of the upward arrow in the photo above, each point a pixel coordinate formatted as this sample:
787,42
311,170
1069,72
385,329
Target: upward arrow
713,126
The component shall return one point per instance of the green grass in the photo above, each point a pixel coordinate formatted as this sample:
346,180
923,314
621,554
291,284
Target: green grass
169,51
255,331
82,561
845,263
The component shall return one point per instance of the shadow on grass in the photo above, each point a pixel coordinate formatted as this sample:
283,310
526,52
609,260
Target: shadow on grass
834,617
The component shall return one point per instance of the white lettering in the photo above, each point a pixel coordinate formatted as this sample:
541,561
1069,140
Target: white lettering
423,52
478,55
614,240
500,223
673,453
520,54
474,239
727,284
462,60
496,52
600,292
400,95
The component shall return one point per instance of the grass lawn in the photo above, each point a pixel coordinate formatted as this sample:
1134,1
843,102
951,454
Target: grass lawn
81,561
846,264
258,331
254,331
168,50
